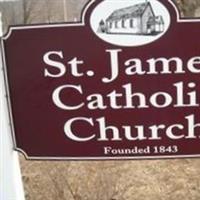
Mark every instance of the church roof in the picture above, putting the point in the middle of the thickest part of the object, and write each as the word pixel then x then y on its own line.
pixel 131 11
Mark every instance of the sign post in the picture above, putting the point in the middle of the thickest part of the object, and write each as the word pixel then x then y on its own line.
pixel 11 187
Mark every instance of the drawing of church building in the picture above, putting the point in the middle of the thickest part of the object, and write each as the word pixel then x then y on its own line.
pixel 137 19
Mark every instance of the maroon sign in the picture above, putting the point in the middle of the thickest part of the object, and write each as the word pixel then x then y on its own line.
pixel 121 84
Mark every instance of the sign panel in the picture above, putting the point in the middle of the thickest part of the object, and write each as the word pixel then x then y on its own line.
pixel 121 84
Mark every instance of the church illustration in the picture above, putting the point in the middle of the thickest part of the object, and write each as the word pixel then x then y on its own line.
pixel 138 19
